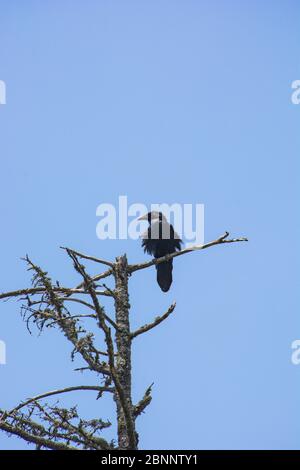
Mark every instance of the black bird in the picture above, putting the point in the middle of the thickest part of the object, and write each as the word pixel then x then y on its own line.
pixel 159 240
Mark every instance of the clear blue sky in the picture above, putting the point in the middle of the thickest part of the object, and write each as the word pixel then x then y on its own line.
pixel 162 101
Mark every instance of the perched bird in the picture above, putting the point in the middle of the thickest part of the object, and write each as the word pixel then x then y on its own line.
pixel 159 240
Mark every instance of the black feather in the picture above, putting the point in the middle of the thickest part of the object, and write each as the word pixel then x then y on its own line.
pixel 159 240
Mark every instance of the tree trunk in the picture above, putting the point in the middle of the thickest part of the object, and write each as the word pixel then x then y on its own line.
pixel 123 360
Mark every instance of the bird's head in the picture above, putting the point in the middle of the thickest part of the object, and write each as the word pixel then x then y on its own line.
pixel 152 216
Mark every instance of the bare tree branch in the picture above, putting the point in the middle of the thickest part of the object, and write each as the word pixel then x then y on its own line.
pixel 156 322
pixel 107 273
pixel 219 241
pixel 29 437
pixel 56 392
pixel 41 290
pixel 61 431
pixel 107 318
pixel 144 402
pixel 68 326
pixel 91 258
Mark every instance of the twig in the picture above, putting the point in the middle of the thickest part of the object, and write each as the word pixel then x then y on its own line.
pixel 71 317
pixel 156 322
pixel 107 318
pixel 91 258
pixel 144 402
pixel 107 273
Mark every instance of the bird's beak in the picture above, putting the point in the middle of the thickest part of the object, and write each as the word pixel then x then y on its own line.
pixel 143 217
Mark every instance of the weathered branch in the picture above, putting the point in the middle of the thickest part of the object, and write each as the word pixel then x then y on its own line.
pixel 91 258
pixel 68 326
pixel 219 241
pixel 98 277
pixel 107 318
pixel 29 437
pixel 41 290
pixel 156 322
pixel 61 431
pixel 56 392
pixel 143 403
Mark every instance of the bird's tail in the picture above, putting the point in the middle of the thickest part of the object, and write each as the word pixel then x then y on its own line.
pixel 164 275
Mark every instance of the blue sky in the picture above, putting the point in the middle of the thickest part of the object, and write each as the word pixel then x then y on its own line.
pixel 162 101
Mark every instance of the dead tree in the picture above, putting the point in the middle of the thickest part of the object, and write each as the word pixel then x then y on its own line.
pixel 47 304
